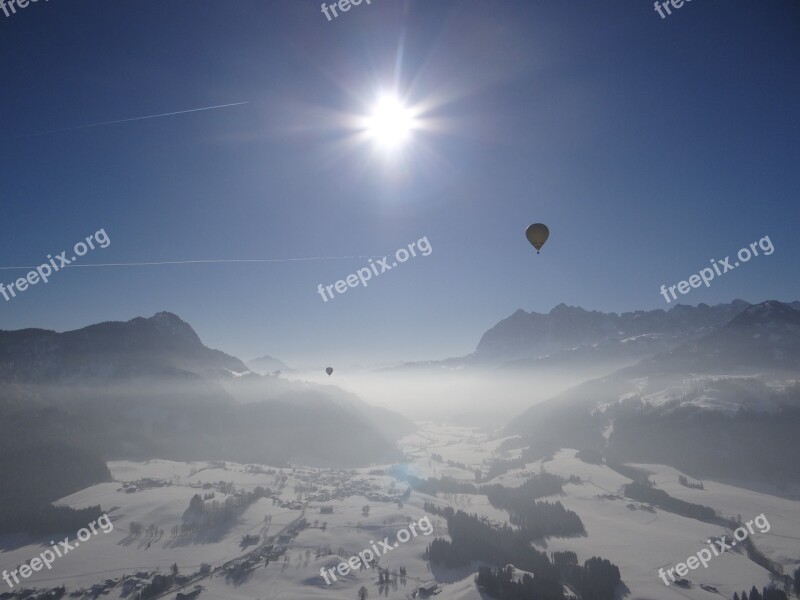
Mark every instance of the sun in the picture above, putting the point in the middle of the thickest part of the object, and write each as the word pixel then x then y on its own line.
pixel 390 123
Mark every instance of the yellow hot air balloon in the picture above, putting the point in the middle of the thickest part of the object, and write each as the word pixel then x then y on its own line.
pixel 537 235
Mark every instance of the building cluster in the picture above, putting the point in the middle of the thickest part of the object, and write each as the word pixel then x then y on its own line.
pixel 238 570
pixel 324 486
pixel 131 487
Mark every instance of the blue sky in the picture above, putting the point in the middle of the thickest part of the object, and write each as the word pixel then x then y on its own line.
pixel 648 146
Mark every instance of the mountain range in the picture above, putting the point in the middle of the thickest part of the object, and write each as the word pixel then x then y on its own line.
pixel 693 406
pixel 580 344
pixel 161 346
pixel 565 328
pixel 148 388
pixel 642 384
pixel 267 364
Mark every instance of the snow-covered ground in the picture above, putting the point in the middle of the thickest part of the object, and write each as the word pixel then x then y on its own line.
pixel 641 542
pixel 638 538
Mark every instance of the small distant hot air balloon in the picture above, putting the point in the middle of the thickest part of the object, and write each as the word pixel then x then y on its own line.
pixel 537 235
pixel 329 370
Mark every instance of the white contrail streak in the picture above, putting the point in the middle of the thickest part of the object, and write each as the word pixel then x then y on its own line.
pixel 169 114
pixel 194 262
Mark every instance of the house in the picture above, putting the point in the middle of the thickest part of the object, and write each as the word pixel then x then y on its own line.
pixel 429 588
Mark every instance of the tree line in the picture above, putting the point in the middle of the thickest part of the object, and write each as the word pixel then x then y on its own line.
pixel 35 476
pixel 767 593
pixel 473 538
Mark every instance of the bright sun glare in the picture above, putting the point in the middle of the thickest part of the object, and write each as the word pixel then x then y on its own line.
pixel 390 123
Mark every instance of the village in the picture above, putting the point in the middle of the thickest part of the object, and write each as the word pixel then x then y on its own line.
pixel 216 506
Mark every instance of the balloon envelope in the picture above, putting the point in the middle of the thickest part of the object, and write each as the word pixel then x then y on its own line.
pixel 537 235
pixel 329 370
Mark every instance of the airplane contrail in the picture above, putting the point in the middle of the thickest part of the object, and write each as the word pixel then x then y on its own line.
pixel 178 112
pixel 191 262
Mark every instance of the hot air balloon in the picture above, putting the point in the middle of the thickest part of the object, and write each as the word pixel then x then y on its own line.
pixel 537 235
pixel 329 370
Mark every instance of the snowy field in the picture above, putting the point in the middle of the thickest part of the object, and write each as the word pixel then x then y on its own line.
pixel 638 538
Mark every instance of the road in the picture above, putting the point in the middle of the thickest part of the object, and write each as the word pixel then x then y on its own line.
pixel 221 567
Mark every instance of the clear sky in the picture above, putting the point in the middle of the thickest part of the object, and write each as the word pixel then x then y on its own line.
pixel 647 145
